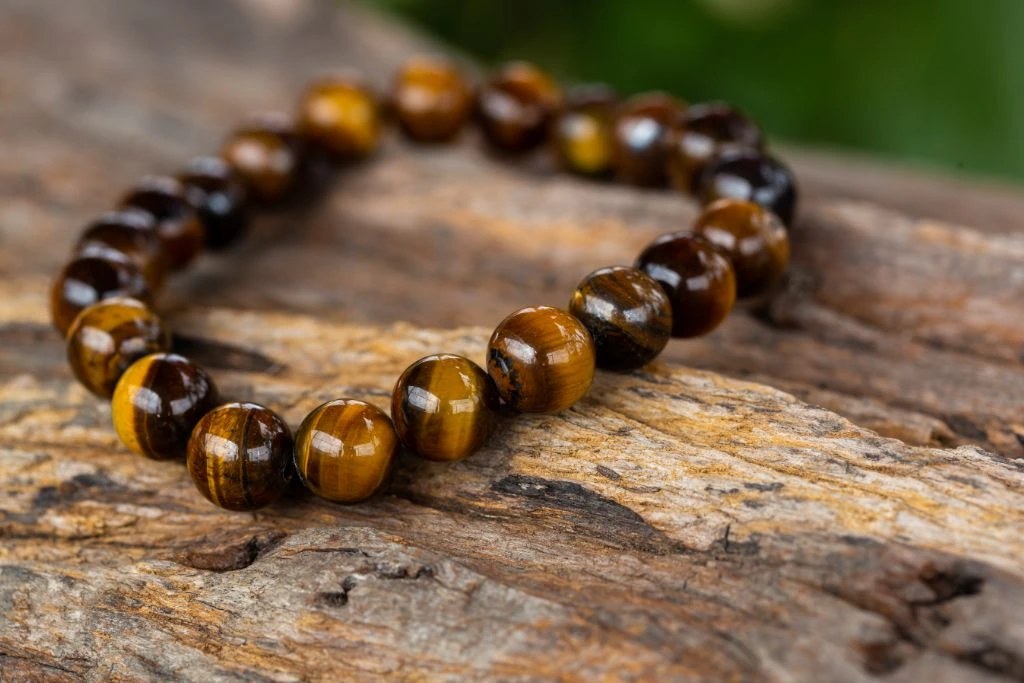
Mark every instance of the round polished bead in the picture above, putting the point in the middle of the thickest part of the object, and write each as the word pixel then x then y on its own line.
pixel 178 225
pixel 106 338
pixel 342 115
pixel 753 238
pixel 240 456
pixel 752 176
pixel 158 401
pixel 583 137
pixel 697 277
pixel 213 187
pixel 705 131
pixel 640 137
pixel 432 99
pixel 444 407
pixel 542 360
pixel 627 313
pixel 89 279
pixel 127 234
pixel 267 157
pixel 517 106
pixel 344 450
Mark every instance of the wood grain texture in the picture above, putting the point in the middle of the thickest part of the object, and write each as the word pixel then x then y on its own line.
pixel 684 522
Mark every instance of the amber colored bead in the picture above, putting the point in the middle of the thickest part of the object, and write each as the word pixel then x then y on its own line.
pixel 157 402
pixel 240 456
pixel 542 360
pixel 444 407
pixel 697 277
pixel 268 156
pixel 516 107
pixel 752 176
pixel 126 234
pixel 87 280
pixel 627 313
pixel 342 115
pixel 641 137
pixel 705 131
pixel 344 450
pixel 432 99
pixel 753 238
pixel 108 337
pixel 216 191
pixel 583 137
pixel 178 225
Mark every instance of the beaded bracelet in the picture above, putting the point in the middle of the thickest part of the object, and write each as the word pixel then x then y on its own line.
pixel 241 456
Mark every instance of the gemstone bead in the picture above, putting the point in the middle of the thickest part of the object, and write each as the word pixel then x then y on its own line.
pixel 216 191
pixel 267 156
pixel 517 106
pixel 641 129
pixel 444 407
pixel 583 137
pixel 752 176
pixel 705 131
pixel 344 450
pixel 627 313
pixel 432 99
pixel 342 115
pixel 178 225
pixel 240 456
pixel 127 234
pixel 753 238
pixel 86 280
pixel 542 360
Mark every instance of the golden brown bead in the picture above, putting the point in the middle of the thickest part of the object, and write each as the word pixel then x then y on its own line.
pixel 444 407
pixel 583 138
pixel 216 191
pixel 517 106
pixel 641 129
pixel 342 115
pixel 178 225
pixel 750 175
pixel 267 156
pixel 87 280
pixel 627 314
pixel 128 234
pixel 344 450
pixel 106 338
pixel 697 277
pixel 752 237
pixel 432 99
pixel 240 456
pixel 157 402
pixel 705 131
pixel 542 360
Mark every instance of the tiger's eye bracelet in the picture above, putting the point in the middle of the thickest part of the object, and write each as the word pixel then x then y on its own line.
pixel 242 456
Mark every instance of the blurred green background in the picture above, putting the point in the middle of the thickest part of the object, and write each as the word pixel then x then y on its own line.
pixel 935 82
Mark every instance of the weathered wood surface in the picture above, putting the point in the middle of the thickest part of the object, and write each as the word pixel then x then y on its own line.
pixel 681 523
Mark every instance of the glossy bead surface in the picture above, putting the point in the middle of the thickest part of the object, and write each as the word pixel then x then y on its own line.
pixel 444 407
pixel 344 450
pixel 219 195
pixel 240 456
pixel 753 238
pixel 432 99
pixel 106 338
pixel 128 234
pixel 583 137
pixel 542 360
pixel 627 314
pixel 516 107
pixel 87 280
pixel 342 115
pixel 267 157
pixel 697 277
pixel 178 225
pixel 158 401
pixel 752 176
pixel 641 130
pixel 704 132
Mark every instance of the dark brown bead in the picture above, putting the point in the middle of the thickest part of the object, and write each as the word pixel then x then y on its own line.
pixel 627 313
pixel 697 277
pixel 216 191
pixel 444 407
pixel 641 133
pixel 583 138
pixel 87 280
pixel 106 338
pixel 240 456
pixel 268 156
pixel 753 176
pixel 542 360
pixel 342 115
pixel 432 99
pixel 178 224
pixel 705 131
pixel 345 450
pixel 753 238
pixel 158 401
pixel 126 234
pixel 517 106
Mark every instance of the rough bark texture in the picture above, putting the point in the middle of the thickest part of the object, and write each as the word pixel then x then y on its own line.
pixel 681 523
